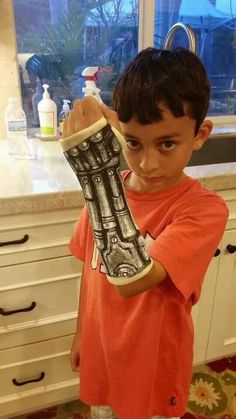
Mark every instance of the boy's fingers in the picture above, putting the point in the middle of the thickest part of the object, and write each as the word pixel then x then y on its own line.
pixel 74 361
pixel 91 109
pixel 108 113
pixel 85 112
pixel 111 117
pixel 77 105
pixel 89 104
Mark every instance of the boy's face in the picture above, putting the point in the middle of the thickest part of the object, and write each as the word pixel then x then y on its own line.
pixel 157 153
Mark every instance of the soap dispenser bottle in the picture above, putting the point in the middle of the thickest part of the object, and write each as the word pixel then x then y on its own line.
pixel 90 89
pixel 47 114
pixel 37 96
pixel 64 112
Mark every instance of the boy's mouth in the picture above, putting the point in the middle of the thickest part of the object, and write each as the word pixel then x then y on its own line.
pixel 149 179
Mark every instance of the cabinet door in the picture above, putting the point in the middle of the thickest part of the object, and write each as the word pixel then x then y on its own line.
pixel 36 375
pixel 222 339
pixel 202 311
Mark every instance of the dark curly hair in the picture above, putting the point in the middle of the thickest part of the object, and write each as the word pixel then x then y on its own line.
pixel 175 78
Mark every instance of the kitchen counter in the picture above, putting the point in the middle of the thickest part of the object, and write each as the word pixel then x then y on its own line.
pixel 221 130
pixel 49 183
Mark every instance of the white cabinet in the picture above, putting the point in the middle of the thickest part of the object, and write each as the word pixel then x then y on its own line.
pixel 222 338
pixel 202 312
pixel 39 291
pixel 39 294
pixel 214 316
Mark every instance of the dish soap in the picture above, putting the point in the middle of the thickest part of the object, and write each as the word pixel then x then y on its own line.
pixel 16 127
pixel 90 89
pixel 47 114
pixel 37 96
pixel 64 112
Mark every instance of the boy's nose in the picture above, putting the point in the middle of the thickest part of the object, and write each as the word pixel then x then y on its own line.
pixel 149 161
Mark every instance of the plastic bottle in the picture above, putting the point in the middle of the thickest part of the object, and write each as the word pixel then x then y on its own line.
pixel 37 96
pixel 90 89
pixel 16 127
pixel 65 110
pixel 47 115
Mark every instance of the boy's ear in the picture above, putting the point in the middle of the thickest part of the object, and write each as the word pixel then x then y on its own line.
pixel 203 134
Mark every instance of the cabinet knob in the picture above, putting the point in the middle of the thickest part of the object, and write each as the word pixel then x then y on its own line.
pixel 231 248
pixel 217 252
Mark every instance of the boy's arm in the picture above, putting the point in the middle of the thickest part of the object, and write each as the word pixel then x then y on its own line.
pixel 92 149
pixel 75 348
pixel 154 277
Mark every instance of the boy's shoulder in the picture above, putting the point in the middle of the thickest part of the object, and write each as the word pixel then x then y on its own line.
pixel 200 198
pixel 188 196
pixel 202 192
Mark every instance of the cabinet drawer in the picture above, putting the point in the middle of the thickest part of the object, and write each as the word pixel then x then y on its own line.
pixel 37 237
pixel 35 272
pixel 35 368
pixel 42 242
pixel 52 328
pixel 35 303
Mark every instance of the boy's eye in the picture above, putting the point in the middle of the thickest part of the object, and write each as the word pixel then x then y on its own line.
pixel 132 144
pixel 167 145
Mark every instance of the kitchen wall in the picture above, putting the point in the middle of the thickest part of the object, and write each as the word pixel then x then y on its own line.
pixel 9 80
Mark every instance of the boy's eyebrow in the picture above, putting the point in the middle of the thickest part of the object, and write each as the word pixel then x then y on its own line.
pixel 168 136
pixel 162 137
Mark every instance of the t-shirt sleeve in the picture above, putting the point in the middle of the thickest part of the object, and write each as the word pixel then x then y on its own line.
pixel 78 241
pixel 185 248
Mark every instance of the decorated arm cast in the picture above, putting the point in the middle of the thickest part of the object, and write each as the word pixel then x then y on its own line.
pixel 94 155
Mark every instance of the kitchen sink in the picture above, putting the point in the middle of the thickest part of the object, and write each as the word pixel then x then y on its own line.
pixel 215 150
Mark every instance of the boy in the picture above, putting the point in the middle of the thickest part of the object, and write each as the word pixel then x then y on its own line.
pixel 155 237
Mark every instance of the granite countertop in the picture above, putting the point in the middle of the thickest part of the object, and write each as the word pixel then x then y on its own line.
pixel 49 183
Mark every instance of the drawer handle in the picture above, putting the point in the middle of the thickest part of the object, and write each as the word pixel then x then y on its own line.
pixel 33 380
pixel 217 253
pixel 231 248
pixel 23 240
pixel 18 310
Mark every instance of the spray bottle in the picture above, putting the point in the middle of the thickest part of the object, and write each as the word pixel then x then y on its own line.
pixel 90 89
pixel 64 112
pixel 47 114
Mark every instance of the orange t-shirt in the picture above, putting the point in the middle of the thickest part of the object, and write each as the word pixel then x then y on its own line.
pixel 136 353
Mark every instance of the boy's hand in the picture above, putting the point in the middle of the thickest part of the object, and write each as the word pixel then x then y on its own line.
pixel 86 112
pixel 75 353
pixel 111 117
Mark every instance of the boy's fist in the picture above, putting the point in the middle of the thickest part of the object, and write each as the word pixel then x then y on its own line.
pixel 75 353
pixel 85 113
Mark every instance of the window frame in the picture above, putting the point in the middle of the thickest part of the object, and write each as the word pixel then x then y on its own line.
pixel 146 24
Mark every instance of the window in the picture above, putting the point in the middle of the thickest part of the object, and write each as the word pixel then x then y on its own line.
pixel 65 36
pixel 57 39
pixel 214 24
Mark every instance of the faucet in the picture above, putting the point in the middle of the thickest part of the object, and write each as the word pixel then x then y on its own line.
pixel 189 32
